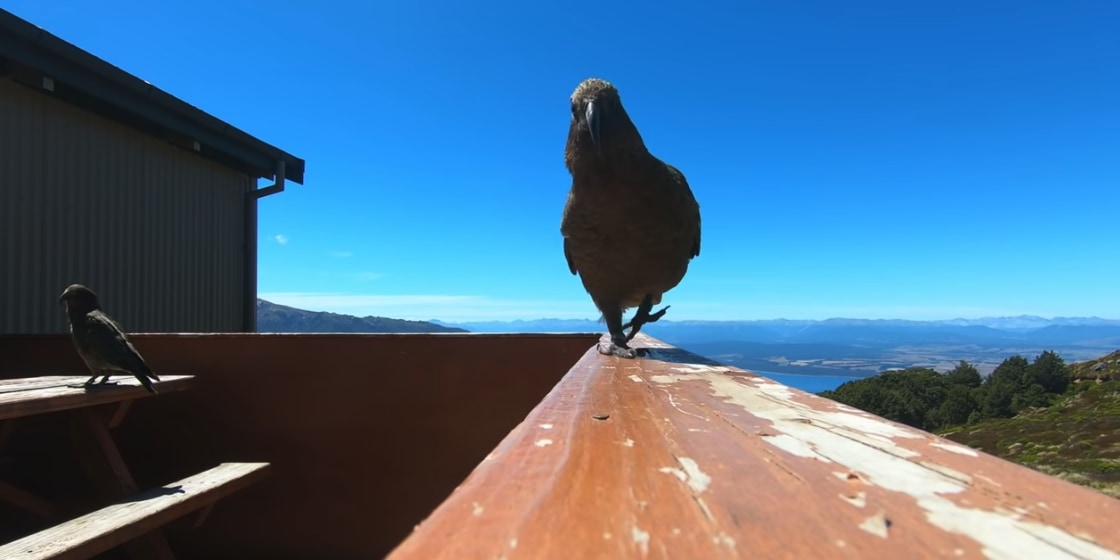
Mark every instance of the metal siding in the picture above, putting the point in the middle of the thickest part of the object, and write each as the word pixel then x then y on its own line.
pixel 156 231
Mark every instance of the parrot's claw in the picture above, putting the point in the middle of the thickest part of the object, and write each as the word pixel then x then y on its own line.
pixel 643 317
pixel 618 347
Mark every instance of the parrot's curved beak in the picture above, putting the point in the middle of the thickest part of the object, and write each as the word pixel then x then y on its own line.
pixel 592 116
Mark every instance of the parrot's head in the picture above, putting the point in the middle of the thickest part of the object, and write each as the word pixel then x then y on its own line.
pixel 79 299
pixel 600 122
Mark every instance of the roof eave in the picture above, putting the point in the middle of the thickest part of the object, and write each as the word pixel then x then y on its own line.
pixel 82 78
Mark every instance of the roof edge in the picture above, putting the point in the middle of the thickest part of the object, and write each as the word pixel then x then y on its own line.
pixel 78 77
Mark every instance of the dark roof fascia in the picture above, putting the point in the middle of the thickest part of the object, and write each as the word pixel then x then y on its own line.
pixel 80 77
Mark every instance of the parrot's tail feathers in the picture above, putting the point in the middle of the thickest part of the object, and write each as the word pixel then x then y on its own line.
pixel 147 383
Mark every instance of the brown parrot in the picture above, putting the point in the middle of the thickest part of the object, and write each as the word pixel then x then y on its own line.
pixel 100 341
pixel 631 224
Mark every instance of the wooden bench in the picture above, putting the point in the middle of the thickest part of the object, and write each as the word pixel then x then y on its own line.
pixel 140 515
pixel 31 396
pixel 676 456
pixel 106 528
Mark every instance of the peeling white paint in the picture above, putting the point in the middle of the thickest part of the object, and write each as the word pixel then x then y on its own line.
pixel 542 442
pixel 724 539
pixel 648 342
pixel 876 525
pixel 700 368
pixel 476 509
pixel 951 473
pixel 794 446
pixel 606 536
pixel 1082 535
pixel 628 442
pixel 674 404
pixel 635 378
pixel 1022 539
pixel 695 478
pixel 954 448
pixel 546 426
pixel 641 538
pixel 859 500
pixel 676 531
pixel 513 543
pixel 865 445
pixel 778 397
pixel 845 408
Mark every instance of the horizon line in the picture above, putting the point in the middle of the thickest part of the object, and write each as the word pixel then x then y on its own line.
pixel 460 309
pixel 838 318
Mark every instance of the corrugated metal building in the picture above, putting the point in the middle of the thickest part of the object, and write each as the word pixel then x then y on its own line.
pixel 107 181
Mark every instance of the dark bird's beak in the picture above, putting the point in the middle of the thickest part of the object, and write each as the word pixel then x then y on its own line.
pixel 592 118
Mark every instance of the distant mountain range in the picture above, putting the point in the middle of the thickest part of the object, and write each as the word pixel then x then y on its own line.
pixel 273 317
pixel 860 347
pixel 1089 331
pixel 832 347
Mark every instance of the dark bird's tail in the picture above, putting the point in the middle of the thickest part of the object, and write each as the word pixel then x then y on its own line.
pixel 147 383
pixel 146 376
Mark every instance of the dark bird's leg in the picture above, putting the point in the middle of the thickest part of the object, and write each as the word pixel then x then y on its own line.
pixel 643 316
pixel 618 345
pixel 104 375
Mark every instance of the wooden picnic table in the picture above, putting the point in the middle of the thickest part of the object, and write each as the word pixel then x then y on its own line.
pixel 53 393
pixel 91 439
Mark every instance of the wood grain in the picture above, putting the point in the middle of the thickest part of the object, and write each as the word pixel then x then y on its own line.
pixel 674 456
pixel 51 393
pixel 111 526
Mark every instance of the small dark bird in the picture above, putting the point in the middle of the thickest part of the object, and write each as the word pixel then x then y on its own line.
pixel 631 224
pixel 100 341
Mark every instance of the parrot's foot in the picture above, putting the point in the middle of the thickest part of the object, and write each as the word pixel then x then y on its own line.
pixel 100 384
pixel 642 316
pixel 96 386
pixel 618 347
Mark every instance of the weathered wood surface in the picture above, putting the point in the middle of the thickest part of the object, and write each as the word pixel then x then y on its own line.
pixel 52 393
pixel 111 477
pixel 674 456
pixel 101 530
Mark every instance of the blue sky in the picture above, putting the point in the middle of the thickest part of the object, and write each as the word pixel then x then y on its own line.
pixel 876 159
